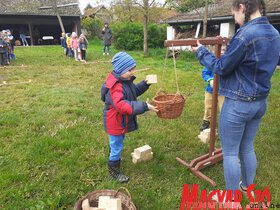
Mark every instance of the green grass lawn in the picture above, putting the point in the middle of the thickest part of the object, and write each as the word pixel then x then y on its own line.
pixel 54 149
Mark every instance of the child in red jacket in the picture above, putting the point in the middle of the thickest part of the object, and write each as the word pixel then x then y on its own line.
pixel 121 108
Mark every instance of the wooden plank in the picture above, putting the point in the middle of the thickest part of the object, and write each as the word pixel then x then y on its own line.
pixel 193 42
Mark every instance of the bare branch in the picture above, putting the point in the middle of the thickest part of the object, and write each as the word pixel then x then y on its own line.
pixel 152 3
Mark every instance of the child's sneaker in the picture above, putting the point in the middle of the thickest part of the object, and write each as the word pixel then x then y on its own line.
pixel 205 124
pixel 103 53
pixel 107 53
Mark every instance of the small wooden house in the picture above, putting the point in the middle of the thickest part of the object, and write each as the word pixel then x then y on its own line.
pixel 39 18
pixel 219 17
pixel 100 12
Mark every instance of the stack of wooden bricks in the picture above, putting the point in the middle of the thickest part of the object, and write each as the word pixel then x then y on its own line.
pixel 143 153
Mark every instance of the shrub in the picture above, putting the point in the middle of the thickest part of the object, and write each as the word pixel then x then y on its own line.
pixel 156 35
pixel 129 36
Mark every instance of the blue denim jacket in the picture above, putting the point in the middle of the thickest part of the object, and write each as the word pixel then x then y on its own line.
pixel 248 63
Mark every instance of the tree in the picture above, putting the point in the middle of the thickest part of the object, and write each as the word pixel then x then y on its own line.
pixel 145 6
pixel 185 5
pixel 205 19
pixel 189 5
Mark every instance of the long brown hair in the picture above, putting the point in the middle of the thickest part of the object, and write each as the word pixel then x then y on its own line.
pixel 251 7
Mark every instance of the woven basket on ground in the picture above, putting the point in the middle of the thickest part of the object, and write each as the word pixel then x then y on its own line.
pixel 170 105
pixel 93 198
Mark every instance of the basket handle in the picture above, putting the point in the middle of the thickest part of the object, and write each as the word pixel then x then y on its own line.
pixel 160 92
pixel 127 192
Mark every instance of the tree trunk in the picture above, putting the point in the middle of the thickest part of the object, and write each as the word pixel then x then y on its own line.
pixel 145 25
pixel 205 20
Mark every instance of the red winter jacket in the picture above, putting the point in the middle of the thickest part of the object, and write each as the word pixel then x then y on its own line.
pixel 121 105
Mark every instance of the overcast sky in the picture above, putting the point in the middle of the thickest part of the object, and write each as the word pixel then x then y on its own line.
pixel 84 3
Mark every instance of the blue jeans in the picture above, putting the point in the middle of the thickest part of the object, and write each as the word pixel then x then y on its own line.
pixel 108 48
pixel 23 40
pixel 116 147
pixel 238 124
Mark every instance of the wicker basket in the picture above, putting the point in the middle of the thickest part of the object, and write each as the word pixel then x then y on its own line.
pixel 93 197
pixel 170 105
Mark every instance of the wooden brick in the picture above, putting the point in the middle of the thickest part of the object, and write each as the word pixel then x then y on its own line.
pixel 137 159
pixel 114 204
pixel 102 201
pixel 141 151
pixel 151 79
pixel 85 205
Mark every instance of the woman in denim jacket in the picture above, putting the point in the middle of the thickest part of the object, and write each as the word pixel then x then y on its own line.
pixel 245 72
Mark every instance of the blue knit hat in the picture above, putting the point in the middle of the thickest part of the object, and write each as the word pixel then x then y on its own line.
pixel 122 62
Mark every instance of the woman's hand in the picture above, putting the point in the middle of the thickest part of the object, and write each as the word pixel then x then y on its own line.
pixel 194 48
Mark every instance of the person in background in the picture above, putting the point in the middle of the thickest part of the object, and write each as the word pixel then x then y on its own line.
pixel 208 76
pixel 22 35
pixel 63 43
pixel 3 50
pixel 75 45
pixel 8 50
pixel 68 43
pixel 245 72
pixel 83 43
pixel 107 36
pixel 119 94
pixel 12 44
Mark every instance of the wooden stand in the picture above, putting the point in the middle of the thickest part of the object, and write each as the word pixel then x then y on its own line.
pixel 214 155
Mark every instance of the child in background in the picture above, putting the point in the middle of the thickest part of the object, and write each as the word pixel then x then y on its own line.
pixel 3 50
pixel 121 108
pixel 63 43
pixel 83 47
pixel 208 76
pixel 12 44
pixel 8 49
pixel 68 43
pixel 75 44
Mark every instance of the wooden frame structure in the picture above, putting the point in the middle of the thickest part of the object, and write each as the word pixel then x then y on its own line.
pixel 214 155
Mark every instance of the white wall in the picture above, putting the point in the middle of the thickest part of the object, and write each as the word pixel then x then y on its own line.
pixel 227 29
pixel 171 36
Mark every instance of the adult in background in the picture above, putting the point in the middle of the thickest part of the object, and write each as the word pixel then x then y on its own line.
pixel 107 36
pixel 22 36
pixel 245 72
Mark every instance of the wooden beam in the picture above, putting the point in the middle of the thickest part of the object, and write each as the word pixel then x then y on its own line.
pixel 192 42
pixel 58 6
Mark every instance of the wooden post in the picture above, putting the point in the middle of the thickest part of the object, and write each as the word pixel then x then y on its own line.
pixel 30 33
pixel 214 104
pixel 55 7
pixel 60 23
